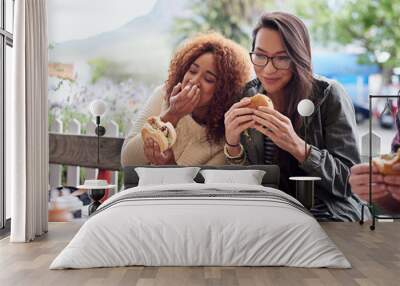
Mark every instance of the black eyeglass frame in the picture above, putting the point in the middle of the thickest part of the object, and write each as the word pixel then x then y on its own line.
pixel 268 60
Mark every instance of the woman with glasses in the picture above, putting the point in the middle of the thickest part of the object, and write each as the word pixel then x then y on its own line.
pixel 281 56
pixel 205 75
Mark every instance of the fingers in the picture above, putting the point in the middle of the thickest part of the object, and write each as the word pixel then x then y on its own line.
pixel 242 103
pixel 362 169
pixel 152 151
pixel 393 185
pixel 188 102
pixel 393 180
pixel 266 132
pixel 365 198
pixel 177 88
pixel 242 127
pixel 187 95
pixel 270 120
pixel 236 113
pixel 238 121
pixel 396 167
pixel 195 97
pixel 156 149
pixel 378 191
pixel 182 99
pixel 148 149
pixel 234 126
pixel 395 192
pixel 167 156
pixel 184 91
pixel 375 195
pixel 363 179
pixel 363 189
pixel 267 124
pixel 233 132
pixel 238 109
pixel 274 113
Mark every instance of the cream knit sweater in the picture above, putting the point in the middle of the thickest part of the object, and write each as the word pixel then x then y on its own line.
pixel 190 148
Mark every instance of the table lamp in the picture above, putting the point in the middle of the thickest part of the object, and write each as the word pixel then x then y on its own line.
pixel 305 185
pixel 305 108
pixel 98 108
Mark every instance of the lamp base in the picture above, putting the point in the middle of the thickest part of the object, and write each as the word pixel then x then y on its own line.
pixel 305 190
pixel 95 195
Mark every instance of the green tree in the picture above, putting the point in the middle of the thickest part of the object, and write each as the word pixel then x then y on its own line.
pixel 232 18
pixel 102 67
pixel 373 25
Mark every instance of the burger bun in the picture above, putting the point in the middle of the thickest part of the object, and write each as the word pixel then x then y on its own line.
pixel 260 100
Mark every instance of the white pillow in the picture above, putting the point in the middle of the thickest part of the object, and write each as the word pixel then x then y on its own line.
pixel 248 177
pixel 163 176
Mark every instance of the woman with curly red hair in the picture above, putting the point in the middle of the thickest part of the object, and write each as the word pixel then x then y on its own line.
pixel 205 75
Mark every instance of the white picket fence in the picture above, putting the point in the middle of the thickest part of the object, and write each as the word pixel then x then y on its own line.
pixel 73 173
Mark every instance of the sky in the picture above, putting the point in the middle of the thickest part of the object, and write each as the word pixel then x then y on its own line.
pixel 79 19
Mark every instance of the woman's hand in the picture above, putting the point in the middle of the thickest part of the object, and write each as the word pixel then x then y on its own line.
pixel 359 182
pixel 183 101
pixel 280 130
pixel 155 157
pixel 237 119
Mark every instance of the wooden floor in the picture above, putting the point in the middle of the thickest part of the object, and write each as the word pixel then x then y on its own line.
pixel 374 255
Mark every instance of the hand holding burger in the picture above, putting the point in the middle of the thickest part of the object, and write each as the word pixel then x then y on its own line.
pixel 278 128
pixel 158 138
pixel 385 178
pixel 240 117
pixel 163 133
pixel 389 166
pixel 386 164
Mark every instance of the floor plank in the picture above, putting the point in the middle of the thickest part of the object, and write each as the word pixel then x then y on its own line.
pixel 374 255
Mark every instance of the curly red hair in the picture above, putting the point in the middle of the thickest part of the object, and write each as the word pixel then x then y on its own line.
pixel 233 68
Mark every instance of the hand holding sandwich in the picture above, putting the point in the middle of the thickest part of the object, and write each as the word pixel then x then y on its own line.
pixel 237 119
pixel 389 166
pixel 276 126
pixel 182 101
pixel 385 178
pixel 158 138
pixel 280 130
pixel 155 156
pixel 240 116
pixel 359 181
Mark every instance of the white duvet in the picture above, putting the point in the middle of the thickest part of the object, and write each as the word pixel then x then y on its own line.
pixel 183 231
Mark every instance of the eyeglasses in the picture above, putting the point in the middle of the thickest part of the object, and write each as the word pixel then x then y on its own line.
pixel 279 62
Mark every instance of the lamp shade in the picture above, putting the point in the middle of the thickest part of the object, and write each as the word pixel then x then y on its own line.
pixel 98 107
pixel 305 107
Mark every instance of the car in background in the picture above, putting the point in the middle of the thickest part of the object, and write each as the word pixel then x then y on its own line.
pixel 346 69
pixel 385 111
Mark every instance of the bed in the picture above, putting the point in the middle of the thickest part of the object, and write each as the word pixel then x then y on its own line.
pixel 201 224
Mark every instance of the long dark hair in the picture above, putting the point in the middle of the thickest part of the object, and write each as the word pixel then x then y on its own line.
pixel 296 42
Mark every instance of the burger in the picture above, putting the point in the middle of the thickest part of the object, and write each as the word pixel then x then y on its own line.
pixel 161 132
pixel 384 163
pixel 260 100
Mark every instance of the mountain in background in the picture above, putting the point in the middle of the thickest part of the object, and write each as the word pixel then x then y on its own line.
pixel 141 48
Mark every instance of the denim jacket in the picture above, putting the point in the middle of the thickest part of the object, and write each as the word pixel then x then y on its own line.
pixel 332 135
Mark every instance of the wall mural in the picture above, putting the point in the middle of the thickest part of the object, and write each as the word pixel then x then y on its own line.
pixel 121 57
